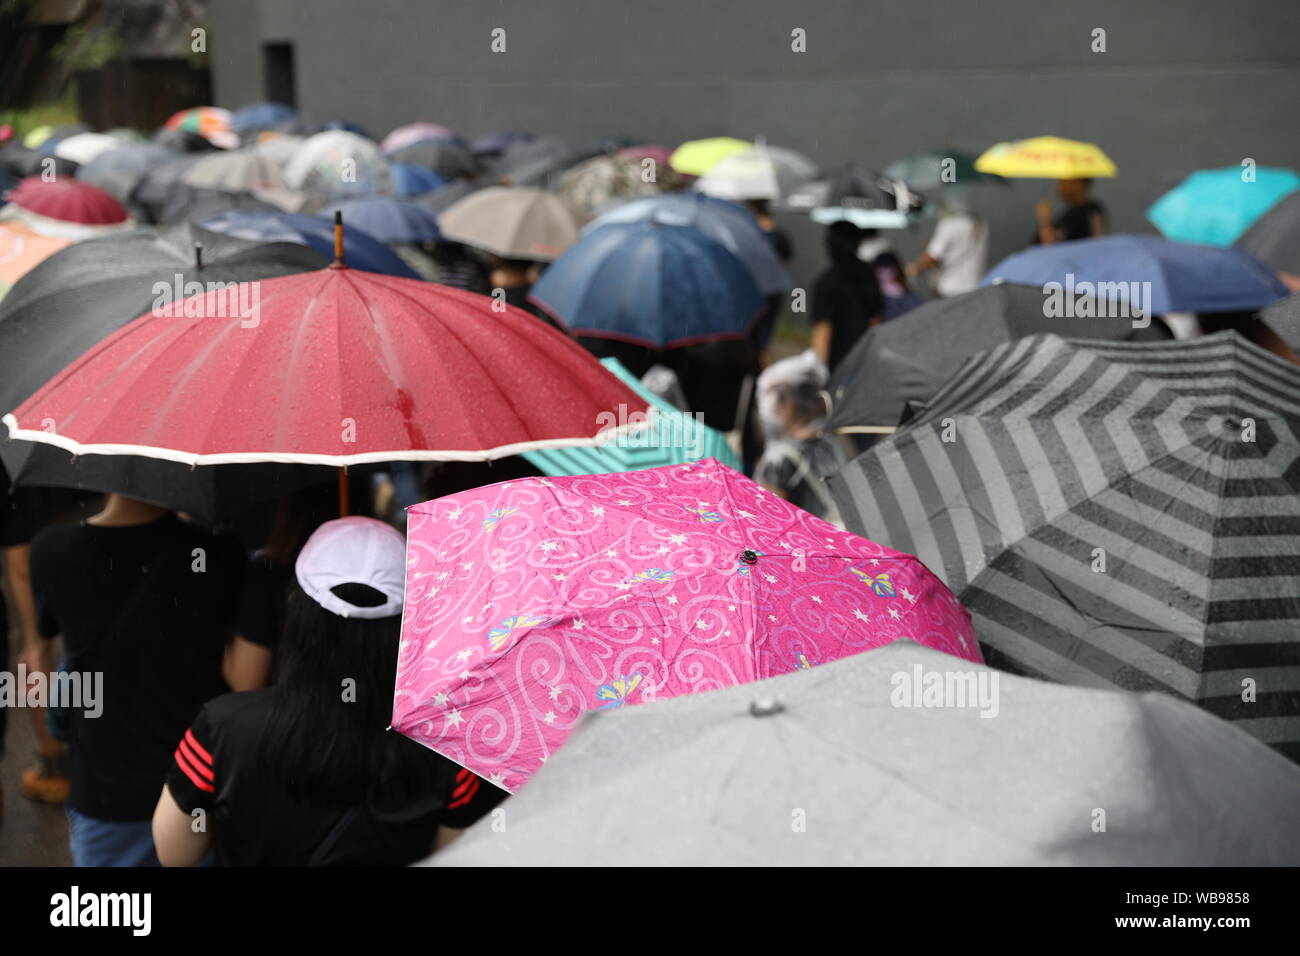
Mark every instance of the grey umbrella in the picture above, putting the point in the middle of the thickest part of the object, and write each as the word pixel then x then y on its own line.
pixel 910 358
pixel 1284 318
pixel 829 767
pixel 448 160
pixel 1274 238
pixel 119 171
pixel 1112 514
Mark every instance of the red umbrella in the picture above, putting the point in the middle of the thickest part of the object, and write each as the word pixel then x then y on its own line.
pixel 68 200
pixel 337 366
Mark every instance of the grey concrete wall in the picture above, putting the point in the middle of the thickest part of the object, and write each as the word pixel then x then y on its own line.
pixel 1183 84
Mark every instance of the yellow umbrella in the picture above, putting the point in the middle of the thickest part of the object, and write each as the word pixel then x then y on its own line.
pixel 35 137
pixel 1046 157
pixel 697 157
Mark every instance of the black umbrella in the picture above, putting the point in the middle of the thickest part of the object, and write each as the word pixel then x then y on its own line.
pixel 119 171
pixel 157 185
pixel 186 203
pixel 1113 515
pixel 1274 238
pixel 183 141
pixel 84 293
pixel 448 160
pixel 910 358
pixel 19 161
pixel 867 198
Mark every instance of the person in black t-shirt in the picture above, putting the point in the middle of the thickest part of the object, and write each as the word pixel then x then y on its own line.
pixel 1083 217
pixel 145 600
pixel 250 656
pixel 846 298
pixel 305 773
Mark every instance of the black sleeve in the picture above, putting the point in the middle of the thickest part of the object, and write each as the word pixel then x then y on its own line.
pixel 192 775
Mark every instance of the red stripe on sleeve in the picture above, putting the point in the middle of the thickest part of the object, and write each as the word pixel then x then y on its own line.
pixel 194 778
pixel 198 748
pixel 204 772
pixel 462 800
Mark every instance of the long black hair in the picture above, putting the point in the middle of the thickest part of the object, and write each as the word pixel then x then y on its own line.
pixel 325 741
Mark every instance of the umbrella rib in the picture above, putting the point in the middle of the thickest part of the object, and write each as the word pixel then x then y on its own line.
pixel 471 420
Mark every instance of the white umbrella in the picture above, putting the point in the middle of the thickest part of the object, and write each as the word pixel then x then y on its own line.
pixel 764 172
pixel 337 164
pixel 81 148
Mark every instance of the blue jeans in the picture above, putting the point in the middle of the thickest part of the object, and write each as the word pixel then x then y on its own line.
pixel 110 842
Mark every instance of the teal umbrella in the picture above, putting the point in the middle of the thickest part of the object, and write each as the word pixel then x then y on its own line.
pixel 673 437
pixel 1214 207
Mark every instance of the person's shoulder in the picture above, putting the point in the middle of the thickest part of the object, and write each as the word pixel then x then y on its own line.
pixel 59 538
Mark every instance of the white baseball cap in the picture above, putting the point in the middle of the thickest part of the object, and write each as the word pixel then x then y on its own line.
pixel 354 550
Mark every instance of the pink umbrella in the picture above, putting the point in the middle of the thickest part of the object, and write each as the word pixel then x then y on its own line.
pixel 660 154
pixel 530 602
pixel 411 133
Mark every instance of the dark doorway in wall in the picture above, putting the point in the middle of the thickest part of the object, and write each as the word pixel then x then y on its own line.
pixel 277 71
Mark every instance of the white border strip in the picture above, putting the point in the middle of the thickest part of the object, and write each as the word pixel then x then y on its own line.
pixel 233 458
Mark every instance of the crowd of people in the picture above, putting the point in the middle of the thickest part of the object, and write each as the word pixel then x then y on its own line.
pixel 248 668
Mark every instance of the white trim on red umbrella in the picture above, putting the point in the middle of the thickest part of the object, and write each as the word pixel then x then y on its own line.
pixel 232 458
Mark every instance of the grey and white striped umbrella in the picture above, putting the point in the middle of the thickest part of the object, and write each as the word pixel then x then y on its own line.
pixel 1113 515
pixel 870 761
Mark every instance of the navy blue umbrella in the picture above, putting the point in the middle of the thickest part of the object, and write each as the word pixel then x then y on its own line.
pixel 651 284
pixel 729 223
pixel 362 250
pixel 256 117
pixel 387 218
pixel 494 144
pixel 1147 273
pixel 412 180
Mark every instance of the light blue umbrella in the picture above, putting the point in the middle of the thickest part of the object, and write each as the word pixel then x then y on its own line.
pixel 674 437
pixel 263 116
pixel 727 222
pixel 1146 273
pixel 412 180
pixel 650 284
pixel 1215 206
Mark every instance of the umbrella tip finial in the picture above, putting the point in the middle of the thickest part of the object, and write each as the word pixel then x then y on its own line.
pixel 338 262
pixel 198 255
pixel 766 707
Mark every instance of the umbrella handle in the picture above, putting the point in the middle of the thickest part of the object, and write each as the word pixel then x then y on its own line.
pixel 338 262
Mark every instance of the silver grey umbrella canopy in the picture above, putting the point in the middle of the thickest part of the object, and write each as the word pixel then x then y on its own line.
pixel 1113 515
pixel 821 767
